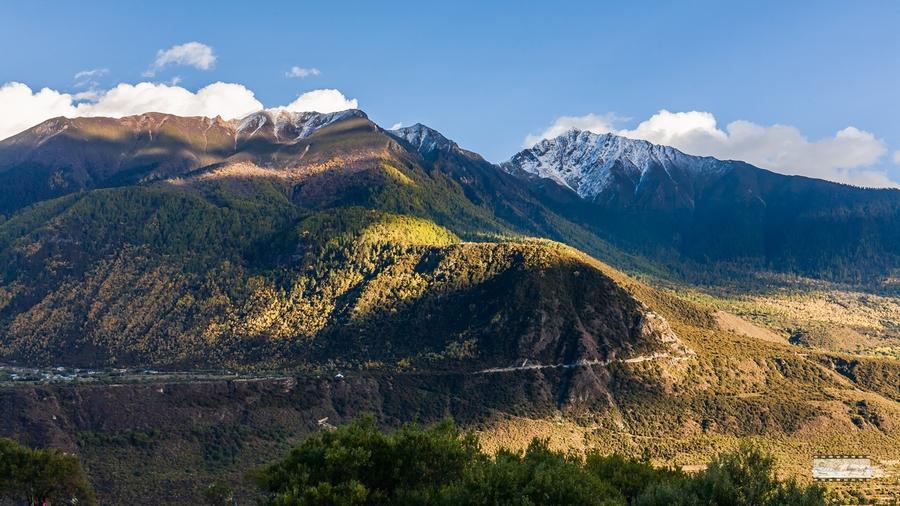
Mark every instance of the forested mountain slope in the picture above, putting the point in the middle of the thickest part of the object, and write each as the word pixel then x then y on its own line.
pixel 340 245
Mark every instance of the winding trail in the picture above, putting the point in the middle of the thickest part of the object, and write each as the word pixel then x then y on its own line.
pixel 584 363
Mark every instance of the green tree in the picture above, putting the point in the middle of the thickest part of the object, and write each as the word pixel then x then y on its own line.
pixel 538 476
pixel 629 476
pixel 219 494
pixel 745 477
pixel 34 476
pixel 358 464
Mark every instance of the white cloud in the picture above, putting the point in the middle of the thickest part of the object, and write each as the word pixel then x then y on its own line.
pixel 590 122
pixel 217 99
pixel 90 95
pixel 86 78
pixel 192 54
pixel 302 72
pixel 396 126
pixel 23 108
pixel 670 128
pixel 89 79
pixel 327 100
pixel 897 156
pixel 847 157
pixel 90 73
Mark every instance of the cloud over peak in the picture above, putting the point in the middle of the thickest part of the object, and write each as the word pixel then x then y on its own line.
pixel 327 100
pixel 24 108
pixel 589 122
pixel 228 100
pixel 191 54
pixel 849 156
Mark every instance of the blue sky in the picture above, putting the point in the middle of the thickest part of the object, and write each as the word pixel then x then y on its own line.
pixel 490 74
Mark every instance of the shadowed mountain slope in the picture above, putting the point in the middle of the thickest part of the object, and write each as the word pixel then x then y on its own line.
pixel 658 201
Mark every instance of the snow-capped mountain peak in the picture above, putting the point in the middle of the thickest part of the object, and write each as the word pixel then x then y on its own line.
pixel 594 165
pixel 426 140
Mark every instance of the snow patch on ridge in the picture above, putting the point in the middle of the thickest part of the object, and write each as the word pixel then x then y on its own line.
pixel 289 126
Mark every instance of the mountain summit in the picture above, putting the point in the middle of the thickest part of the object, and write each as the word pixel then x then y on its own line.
pixel 281 125
pixel 609 169
pixel 66 155
pixel 659 201
pixel 426 140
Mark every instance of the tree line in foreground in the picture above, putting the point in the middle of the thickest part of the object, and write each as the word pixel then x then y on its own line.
pixel 358 464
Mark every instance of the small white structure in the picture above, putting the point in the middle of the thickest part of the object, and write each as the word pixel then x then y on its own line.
pixel 844 467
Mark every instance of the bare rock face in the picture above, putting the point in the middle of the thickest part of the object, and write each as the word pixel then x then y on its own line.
pixel 654 326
